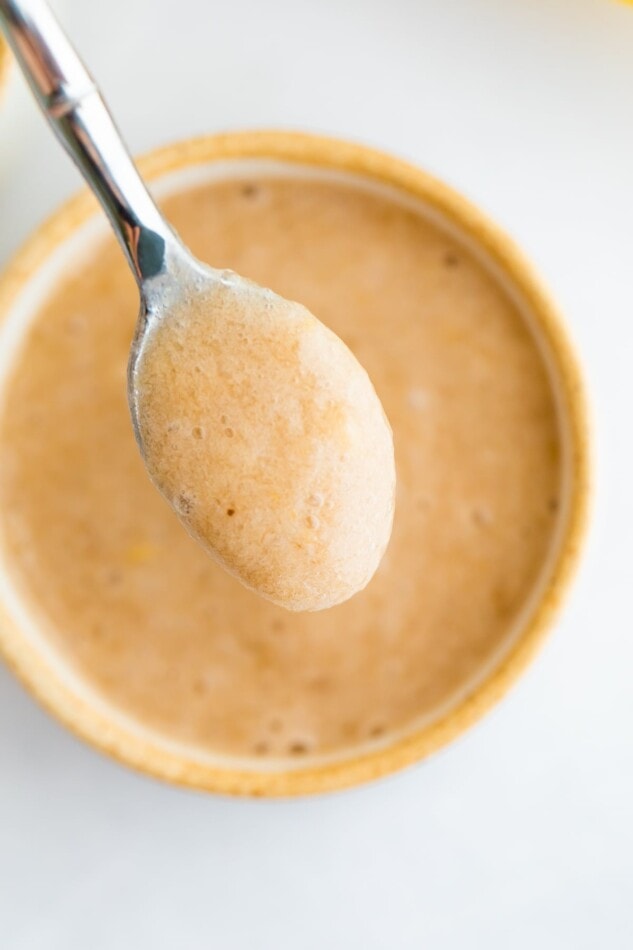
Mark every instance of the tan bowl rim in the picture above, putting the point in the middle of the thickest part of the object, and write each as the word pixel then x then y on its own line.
pixel 361 766
pixel 5 62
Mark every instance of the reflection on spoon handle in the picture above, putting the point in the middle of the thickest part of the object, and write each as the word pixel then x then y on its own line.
pixel 75 109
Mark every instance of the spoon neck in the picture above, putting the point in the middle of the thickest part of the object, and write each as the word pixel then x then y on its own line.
pixel 69 98
pixel 93 141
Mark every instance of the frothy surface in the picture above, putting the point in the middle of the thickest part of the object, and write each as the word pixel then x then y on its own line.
pixel 266 436
pixel 166 635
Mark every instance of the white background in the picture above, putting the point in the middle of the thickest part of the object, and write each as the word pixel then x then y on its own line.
pixel 520 835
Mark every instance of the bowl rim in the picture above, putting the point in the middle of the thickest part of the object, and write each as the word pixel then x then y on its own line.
pixel 364 765
pixel 5 67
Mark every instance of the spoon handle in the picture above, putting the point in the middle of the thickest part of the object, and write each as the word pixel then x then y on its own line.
pixel 75 109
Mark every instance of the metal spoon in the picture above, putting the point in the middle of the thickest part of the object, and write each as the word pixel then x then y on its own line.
pixel 274 544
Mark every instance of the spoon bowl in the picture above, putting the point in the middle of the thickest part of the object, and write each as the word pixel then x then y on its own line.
pixel 264 434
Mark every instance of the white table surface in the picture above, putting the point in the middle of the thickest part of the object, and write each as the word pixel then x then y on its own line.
pixel 521 834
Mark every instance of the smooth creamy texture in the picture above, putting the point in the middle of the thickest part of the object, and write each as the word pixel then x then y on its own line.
pixel 139 609
pixel 266 436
